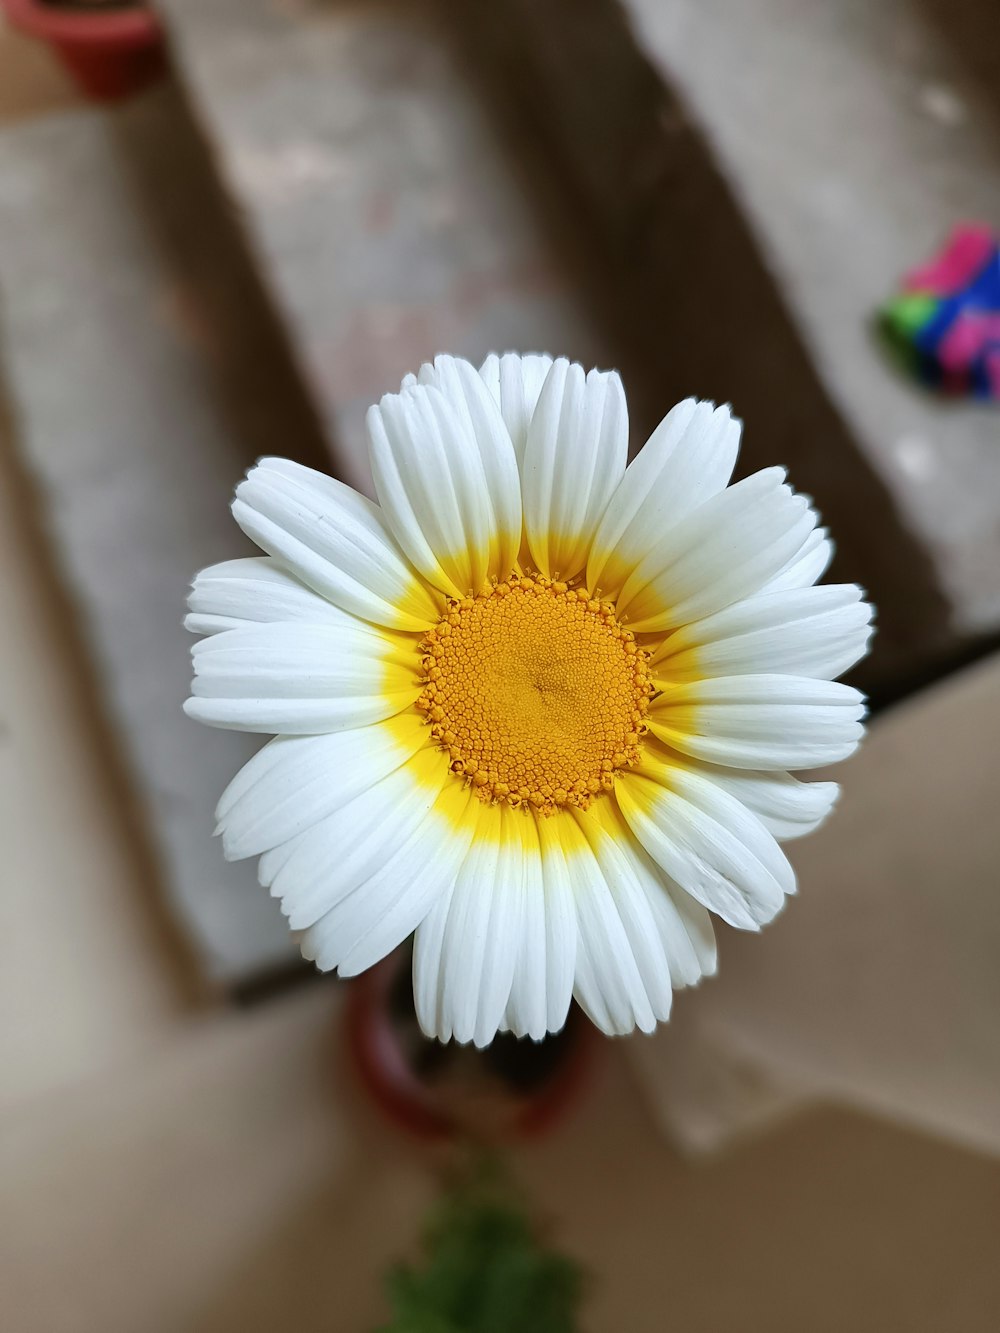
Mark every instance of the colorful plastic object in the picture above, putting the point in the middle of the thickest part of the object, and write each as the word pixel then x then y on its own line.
pixel 945 320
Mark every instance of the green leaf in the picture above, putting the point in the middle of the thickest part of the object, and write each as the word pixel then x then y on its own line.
pixel 484 1270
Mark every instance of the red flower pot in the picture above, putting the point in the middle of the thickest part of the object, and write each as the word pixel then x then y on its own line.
pixel 513 1089
pixel 111 51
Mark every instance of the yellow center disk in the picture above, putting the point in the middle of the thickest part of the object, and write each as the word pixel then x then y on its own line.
pixel 536 692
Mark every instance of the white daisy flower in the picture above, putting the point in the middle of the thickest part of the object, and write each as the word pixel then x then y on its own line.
pixel 535 705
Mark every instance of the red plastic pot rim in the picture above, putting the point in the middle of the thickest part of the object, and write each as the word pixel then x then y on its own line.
pixel 131 27
pixel 401 1095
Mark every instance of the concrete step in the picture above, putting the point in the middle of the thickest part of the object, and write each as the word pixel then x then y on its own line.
pixel 756 176
pixel 855 138
pixel 88 979
pixel 365 211
pixel 384 221
pixel 116 412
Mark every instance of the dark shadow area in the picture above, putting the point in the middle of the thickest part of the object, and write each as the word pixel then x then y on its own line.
pixel 183 200
pixel 629 195
pixel 972 29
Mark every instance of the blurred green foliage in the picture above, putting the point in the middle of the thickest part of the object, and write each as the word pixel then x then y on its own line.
pixel 484 1269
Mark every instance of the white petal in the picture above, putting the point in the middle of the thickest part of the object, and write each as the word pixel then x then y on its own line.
pixel 785 806
pixel 685 928
pixel 515 382
pixel 428 948
pixel 646 981
pixel 256 589
pixel 803 632
pixel 727 549
pixel 809 563
pixel 306 778
pixel 764 721
pixel 516 968
pixel 316 869
pixel 560 922
pixel 467 931
pixel 687 459
pixel 476 956
pixel 609 983
pixel 336 541
pixel 301 679
pixel 273 862
pixel 505 930
pixel 527 1009
pixel 683 925
pixel 573 460
pixel 379 914
pixel 246 777
pixel 446 476
pixel 710 844
pixel 482 421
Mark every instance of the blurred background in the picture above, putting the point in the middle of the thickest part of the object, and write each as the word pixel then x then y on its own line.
pixel 228 226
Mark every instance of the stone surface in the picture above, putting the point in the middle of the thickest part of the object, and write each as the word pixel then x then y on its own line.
pixel 854 139
pixel 384 227
pixel 384 222
pixel 755 176
pixel 87 979
pixel 114 410
pixel 878 985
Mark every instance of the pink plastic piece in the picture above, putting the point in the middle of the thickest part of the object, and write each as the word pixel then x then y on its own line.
pixel 962 345
pixel 968 249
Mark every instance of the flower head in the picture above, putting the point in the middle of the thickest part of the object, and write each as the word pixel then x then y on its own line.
pixel 535 705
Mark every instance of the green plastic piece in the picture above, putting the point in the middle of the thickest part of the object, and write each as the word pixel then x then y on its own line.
pixel 906 315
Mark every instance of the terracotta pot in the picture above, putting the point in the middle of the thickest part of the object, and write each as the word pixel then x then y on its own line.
pixel 513 1089
pixel 111 50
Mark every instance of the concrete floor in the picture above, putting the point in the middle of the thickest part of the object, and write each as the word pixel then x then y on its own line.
pixel 169 1164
